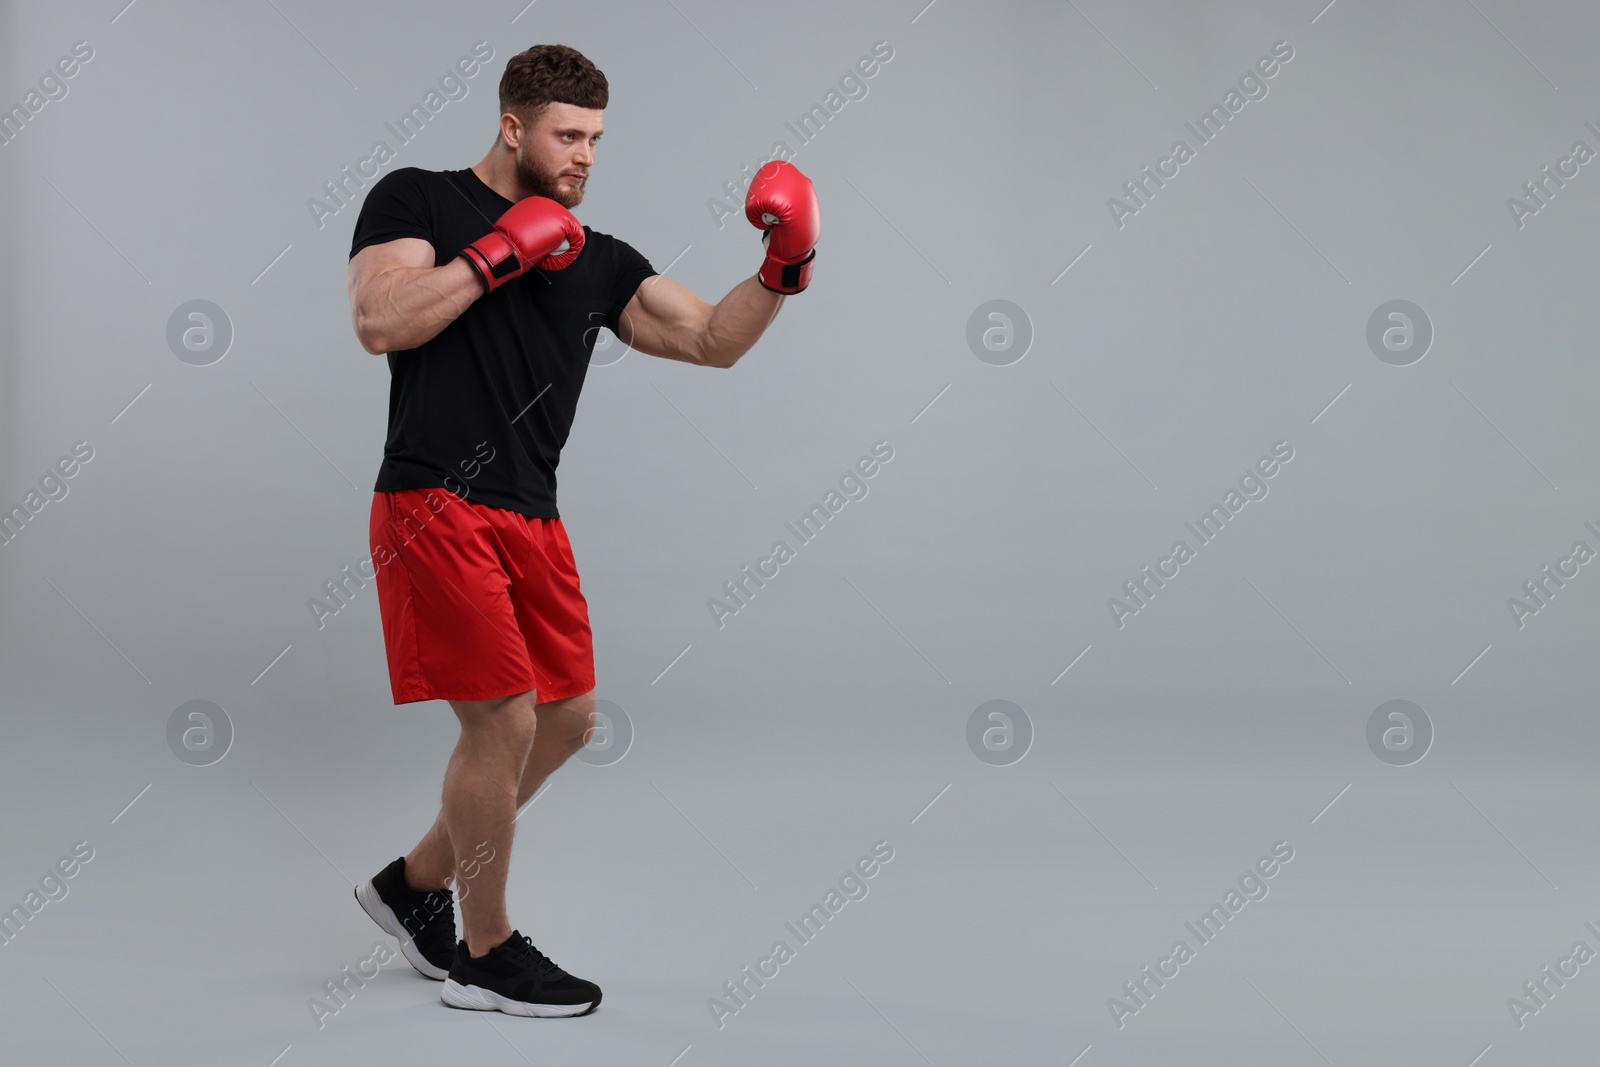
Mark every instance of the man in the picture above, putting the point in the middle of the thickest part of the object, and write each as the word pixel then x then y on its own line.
pixel 486 294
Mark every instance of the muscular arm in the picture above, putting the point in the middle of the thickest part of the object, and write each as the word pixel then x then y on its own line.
pixel 668 320
pixel 399 299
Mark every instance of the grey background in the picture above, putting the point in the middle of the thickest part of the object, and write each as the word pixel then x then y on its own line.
pixel 831 713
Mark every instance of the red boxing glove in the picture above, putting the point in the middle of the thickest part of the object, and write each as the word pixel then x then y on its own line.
pixel 526 236
pixel 783 202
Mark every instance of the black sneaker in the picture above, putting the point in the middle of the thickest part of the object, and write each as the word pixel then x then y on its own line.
pixel 518 979
pixel 425 922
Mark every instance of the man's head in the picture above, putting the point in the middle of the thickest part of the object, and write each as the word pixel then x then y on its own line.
pixel 552 103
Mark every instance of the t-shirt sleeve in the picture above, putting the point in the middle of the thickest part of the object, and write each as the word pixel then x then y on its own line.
pixel 397 206
pixel 632 269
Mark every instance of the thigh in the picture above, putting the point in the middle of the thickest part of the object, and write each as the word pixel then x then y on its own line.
pixel 553 614
pixel 444 586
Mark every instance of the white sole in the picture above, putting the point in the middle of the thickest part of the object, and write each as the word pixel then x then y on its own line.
pixel 384 916
pixel 476 998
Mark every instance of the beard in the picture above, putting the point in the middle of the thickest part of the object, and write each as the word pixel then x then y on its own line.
pixel 548 183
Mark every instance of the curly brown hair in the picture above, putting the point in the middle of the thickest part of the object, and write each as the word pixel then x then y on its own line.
pixel 550 73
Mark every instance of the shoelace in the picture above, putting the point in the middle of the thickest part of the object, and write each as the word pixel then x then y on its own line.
pixel 442 905
pixel 524 952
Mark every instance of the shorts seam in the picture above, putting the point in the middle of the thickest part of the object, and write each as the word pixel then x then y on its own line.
pixel 411 600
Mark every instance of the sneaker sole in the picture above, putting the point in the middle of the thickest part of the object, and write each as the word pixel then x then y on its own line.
pixel 476 998
pixel 390 923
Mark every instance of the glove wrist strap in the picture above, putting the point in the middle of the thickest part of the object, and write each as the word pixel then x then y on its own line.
pixel 787 278
pixel 494 258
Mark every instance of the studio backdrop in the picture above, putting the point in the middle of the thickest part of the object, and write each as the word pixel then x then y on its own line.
pixel 1159 546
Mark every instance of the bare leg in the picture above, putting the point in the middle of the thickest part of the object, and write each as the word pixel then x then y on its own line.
pixel 480 806
pixel 562 727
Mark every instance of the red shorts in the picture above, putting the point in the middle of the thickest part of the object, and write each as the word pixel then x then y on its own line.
pixel 477 602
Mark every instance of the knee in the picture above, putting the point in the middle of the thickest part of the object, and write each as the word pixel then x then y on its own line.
pixel 506 723
pixel 569 721
pixel 582 720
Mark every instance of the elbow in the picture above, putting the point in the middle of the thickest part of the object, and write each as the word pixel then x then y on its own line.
pixel 722 359
pixel 367 334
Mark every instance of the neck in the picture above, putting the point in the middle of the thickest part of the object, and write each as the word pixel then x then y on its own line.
pixel 498 170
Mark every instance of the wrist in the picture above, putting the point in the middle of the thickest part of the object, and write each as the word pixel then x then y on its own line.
pixel 787 278
pixel 471 261
pixel 494 259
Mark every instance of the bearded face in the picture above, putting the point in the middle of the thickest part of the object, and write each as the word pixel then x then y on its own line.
pixel 553 160
pixel 543 180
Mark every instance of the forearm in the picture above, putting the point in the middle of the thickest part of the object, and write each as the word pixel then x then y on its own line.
pixel 408 306
pixel 737 322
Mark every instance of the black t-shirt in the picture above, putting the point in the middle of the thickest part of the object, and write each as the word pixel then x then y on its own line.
pixel 484 408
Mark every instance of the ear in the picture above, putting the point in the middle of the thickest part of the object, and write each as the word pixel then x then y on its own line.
pixel 511 129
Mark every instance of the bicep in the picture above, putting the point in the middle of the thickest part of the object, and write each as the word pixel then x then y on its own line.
pixel 665 319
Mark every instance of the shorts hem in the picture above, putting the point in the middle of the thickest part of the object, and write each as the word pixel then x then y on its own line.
pixel 563 694
pixel 413 696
